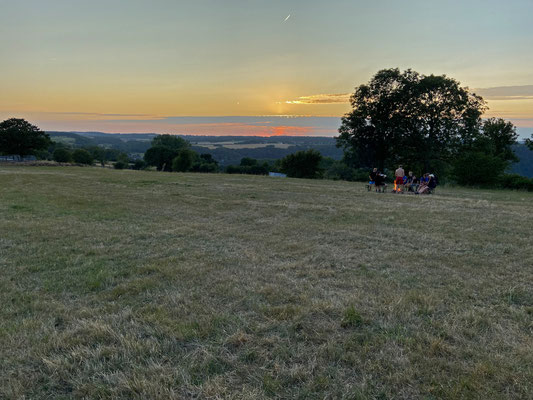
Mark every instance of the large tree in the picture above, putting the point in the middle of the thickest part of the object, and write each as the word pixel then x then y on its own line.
pixel 164 149
pixel 408 117
pixel 170 141
pixel 19 137
pixel 302 164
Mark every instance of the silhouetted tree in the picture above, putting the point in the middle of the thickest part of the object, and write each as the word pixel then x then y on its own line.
pixel 170 141
pixel 163 151
pixel 62 155
pixel 408 117
pixel 484 159
pixel 248 162
pixel 497 137
pixel 82 156
pixel 161 157
pixel 529 143
pixel 302 164
pixel 19 137
pixel 184 161
pixel 97 153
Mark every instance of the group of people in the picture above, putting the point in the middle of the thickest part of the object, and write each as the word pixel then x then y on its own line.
pixel 402 182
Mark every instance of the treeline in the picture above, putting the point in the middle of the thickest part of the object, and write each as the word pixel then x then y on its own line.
pixel 173 153
pixel 125 143
pixel 227 156
pixel 136 144
pixel 90 155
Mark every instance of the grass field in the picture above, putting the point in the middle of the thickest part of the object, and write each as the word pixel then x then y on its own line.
pixel 125 284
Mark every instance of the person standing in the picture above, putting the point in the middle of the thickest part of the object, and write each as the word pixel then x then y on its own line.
pixel 372 177
pixel 398 183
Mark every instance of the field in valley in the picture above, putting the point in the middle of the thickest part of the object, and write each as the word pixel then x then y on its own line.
pixel 132 284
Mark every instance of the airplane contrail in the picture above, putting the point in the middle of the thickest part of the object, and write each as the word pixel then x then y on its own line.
pixel 288 16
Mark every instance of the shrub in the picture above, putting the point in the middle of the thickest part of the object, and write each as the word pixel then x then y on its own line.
pixel 517 182
pixel 341 171
pixel 248 169
pixel 82 156
pixel 120 165
pixel 62 155
pixel 248 162
pixel 205 167
pixel 139 164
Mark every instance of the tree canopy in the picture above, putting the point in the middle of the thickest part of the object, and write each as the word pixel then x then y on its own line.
pixel 405 116
pixel 163 151
pixel 170 141
pixel 19 137
pixel 302 164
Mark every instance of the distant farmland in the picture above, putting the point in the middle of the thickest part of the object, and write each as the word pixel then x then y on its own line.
pixel 125 284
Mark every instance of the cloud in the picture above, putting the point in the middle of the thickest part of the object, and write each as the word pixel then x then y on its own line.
pixel 336 98
pixel 523 92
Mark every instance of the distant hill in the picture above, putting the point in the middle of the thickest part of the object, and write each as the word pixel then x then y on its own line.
pixel 249 146
pixel 525 165
pixel 128 143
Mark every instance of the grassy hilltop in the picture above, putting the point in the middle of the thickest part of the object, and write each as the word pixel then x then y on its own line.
pixel 124 284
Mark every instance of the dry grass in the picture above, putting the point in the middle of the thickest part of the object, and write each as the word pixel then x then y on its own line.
pixel 124 284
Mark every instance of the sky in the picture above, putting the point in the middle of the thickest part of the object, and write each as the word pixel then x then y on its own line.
pixel 248 67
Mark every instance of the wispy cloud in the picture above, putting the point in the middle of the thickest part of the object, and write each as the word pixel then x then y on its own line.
pixel 523 92
pixel 335 98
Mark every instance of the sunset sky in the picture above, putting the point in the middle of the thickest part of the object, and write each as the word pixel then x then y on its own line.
pixel 258 67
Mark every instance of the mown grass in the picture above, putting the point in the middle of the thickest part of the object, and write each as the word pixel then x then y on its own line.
pixel 124 284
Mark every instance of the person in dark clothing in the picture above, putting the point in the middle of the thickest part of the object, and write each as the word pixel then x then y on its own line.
pixel 372 178
pixel 380 182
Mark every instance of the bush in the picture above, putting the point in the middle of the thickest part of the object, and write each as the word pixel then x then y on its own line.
pixel 340 171
pixel 205 167
pixel 517 182
pixel 62 155
pixel 248 162
pixel 120 165
pixel 139 164
pixel 82 156
pixel 302 164
pixel 248 169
